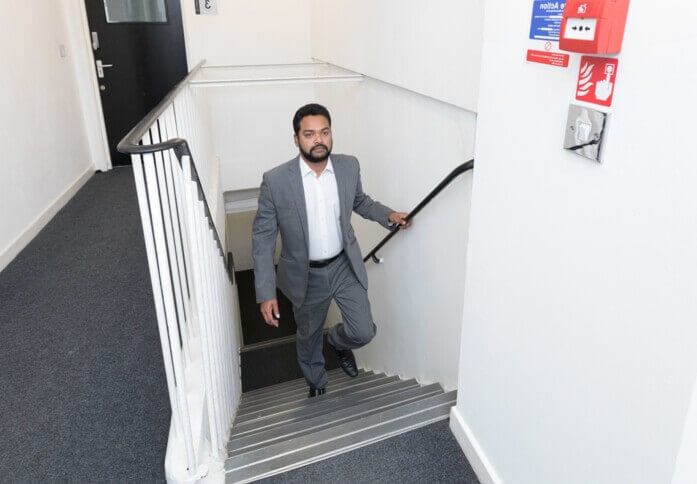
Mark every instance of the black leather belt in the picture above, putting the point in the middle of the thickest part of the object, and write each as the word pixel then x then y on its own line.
pixel 318 264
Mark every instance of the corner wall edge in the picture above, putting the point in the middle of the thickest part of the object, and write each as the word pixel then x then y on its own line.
pixel 473 451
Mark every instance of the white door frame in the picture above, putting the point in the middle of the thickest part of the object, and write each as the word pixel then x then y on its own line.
pixel 90 100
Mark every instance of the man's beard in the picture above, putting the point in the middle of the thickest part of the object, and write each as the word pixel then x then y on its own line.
pixel 314 158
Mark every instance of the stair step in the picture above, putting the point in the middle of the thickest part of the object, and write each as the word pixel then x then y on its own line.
pixel 271 365
pixel 245 443
pixel 300 389
pixel 318 406
pixel 295 452
pixel 362 390
pixel 301 394
pixel 274 342
pixel 287 384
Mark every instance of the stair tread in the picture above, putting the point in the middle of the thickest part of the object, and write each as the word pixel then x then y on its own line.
pixel 298 381
pixel 246 443
pixel 300 390
pixel 320 406
pixel 293 452
pixel 361 389
pixel 301 394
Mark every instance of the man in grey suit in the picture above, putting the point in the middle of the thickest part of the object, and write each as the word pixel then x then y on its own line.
pixel 309 200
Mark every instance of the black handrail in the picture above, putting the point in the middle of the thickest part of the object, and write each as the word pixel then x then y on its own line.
pixel 468 165
pixel 130 145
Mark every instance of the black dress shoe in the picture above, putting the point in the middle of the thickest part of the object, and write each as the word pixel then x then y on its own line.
pixel 347 362
pixel 315 392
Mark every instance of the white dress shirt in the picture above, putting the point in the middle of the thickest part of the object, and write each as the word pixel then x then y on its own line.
pixel 323 211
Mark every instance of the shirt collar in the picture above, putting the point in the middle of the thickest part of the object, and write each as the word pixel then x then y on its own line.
pixel 306 170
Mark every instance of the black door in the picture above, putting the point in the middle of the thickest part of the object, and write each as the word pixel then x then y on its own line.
pixel 140 44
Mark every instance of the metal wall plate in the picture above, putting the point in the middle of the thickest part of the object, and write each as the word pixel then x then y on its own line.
pixel 585 130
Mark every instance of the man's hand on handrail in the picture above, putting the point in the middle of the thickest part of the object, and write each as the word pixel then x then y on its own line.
pixel 399 219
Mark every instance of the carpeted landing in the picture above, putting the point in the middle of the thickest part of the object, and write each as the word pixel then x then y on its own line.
pixel 84 396
pixel 426 455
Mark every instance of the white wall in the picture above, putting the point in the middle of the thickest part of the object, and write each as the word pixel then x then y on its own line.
pixel 45 156
pixel 411 123
pixel 252 129
pixel 407 143
pixel 686 464
pixel 431 47
pixel 578 346
pixel 248 32
pixel 238 228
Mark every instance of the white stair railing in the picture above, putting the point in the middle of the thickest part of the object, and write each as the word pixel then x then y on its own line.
pixel 196 306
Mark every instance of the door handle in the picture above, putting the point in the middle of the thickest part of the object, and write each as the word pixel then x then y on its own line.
pixel 100 68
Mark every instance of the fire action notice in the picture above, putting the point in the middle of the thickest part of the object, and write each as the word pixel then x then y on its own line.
pixel 545 25
pixel 546 20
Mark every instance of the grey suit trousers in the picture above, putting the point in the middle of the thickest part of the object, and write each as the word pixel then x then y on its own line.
pixel 336 281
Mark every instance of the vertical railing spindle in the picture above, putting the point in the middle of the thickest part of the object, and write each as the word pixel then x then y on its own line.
pixel 195 304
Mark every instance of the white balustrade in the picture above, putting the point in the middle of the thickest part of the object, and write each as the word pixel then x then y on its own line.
pixel 194 295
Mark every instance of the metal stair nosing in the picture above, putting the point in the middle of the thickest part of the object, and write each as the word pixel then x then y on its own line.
pixel 370 389
pixel 302 394
pixel 318 406
pixel 301 391
pixel 293 453
pixel 370 382
pixel 272 451
pixel 309 409
pixel 299 387
pixel 297 383
pixel 269 343
pixel 247 443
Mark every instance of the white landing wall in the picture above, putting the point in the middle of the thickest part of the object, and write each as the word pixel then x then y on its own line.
pixel 46 157
pixel 407 143
pixel 252 129
pixel 248 32
pixel 430 47
pixel 410 123
pixel 578 357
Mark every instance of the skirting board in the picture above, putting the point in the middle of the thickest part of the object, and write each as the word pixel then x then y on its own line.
pixel 473 451
pixel 32 230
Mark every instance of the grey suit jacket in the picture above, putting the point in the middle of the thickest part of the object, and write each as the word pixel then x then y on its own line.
pixel 282 208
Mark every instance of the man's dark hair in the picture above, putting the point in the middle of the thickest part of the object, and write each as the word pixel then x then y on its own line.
pixel 309 110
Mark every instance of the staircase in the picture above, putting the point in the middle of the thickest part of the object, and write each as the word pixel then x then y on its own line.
pixel 278 428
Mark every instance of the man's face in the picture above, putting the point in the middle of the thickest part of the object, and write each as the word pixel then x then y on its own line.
pixel 314 139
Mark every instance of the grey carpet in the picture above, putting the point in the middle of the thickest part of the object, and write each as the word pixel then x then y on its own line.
pixel 84 395
pixel 425 455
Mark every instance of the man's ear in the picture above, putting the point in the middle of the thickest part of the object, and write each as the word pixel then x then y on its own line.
pixel 295 138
